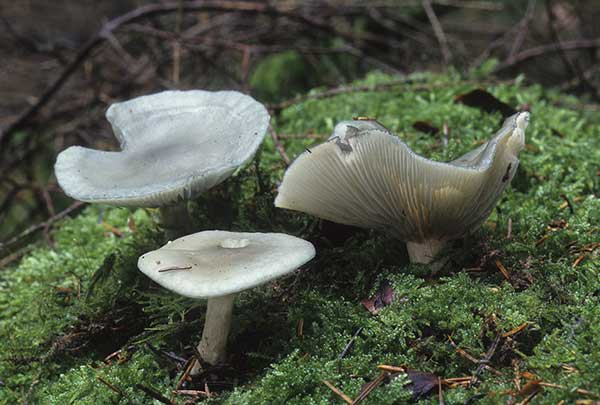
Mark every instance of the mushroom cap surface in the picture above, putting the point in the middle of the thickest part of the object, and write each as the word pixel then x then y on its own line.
pixel 365 176
pixel 216 263
pixel 175 145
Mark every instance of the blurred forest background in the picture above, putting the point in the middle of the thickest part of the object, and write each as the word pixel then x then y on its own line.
pixel 65 61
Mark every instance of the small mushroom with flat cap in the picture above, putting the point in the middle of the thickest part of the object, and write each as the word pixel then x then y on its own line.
pixel 365 176
pixel 174 146
pixel 217 265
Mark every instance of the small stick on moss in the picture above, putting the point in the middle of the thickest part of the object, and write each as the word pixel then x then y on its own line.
pixel 369 388
pixel 279 146
pixel 16 255
pixel 108 358
pixel 509 226
pixel 440 396
pixel 186 373
pixel 528 399
pixel 131 225
pixel 154 394
pixel 350 344
pixel 110 385
pixel 516 330
pixel 469 357
pixel 541 240
pixel 488 356
pixel 392 369
pixel 192 393
pixel 579 260
pixel 445 134
pixel 43 225
pixel 564 197
pixel 503 270
pixel 454 381
pixel 578 390
pixel 115 231
pixel 338 392
pixel 300 329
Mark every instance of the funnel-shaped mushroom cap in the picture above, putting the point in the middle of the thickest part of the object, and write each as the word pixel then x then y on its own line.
pixel 175 144
pixel 216 263
pixel 368 177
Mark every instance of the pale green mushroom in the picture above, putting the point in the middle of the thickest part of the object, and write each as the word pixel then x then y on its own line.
pixel 365 176
pixel 216 265
pixel 174 146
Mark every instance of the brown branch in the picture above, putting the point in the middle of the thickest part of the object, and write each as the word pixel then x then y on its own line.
pixel 523 28
pixel 469 357
pixel 570 65
pixel 42 225
pixel 486 359
pixel 338 392
pixel 550 48
pixel 164 8
pixel 437 30
pixel 335 92
pixel 151 392
pixel 279 146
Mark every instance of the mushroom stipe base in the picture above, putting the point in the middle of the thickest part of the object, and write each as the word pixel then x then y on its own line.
pixel 212 347
pixel 175 220
pixel 424 252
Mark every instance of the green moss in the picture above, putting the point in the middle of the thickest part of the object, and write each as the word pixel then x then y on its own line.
pixel 63 309
pixel 282 75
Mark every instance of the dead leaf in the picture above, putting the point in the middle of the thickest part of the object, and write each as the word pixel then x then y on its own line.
pixel 530 388
pixel 382 298
pixel 421 383
pixel 426 127
pixel 482 99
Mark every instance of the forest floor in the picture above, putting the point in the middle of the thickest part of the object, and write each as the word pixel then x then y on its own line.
pixel 512 316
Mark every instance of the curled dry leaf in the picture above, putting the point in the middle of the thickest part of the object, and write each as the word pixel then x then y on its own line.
pixel 382 298
pixel 426 127
pixel 482 99
pixel 421 383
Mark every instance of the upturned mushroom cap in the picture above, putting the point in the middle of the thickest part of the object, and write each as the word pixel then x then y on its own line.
pixel 367 177
pixel 175 145
pixel 216 263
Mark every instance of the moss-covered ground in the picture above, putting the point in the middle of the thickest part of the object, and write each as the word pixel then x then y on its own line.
pixel 65 308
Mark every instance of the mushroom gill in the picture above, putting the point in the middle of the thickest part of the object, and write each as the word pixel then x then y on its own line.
pixel 365 176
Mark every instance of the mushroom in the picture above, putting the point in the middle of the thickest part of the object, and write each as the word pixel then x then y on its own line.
pixel 217 265
pixel 365 176
pixel 175 145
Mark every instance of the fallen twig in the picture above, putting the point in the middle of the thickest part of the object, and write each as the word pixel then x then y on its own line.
pixel 154 394
pixel 110 385
pixel 549 48
pixel 469 357
pixel 437 30
pixel 369 388
pixel 488 356
pixel 339 393
pixel 147 10
pixel 279 146
pixel 350 344
pixel 42 225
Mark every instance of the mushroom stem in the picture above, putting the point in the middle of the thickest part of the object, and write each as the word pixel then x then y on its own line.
pixel 175 220
pixel 216 329
pixel 424 252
